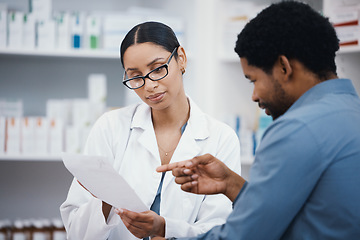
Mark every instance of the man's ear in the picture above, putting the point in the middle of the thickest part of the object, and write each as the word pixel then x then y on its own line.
pixel 285 66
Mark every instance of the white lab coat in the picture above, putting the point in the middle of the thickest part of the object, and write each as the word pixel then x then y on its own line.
pixel 126 136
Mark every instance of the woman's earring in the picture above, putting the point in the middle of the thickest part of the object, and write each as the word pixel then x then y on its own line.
pixel 183 71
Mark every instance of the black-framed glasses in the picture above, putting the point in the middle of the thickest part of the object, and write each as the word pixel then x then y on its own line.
pixel 154 75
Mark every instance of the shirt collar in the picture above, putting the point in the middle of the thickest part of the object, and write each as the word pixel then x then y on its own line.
pixel 333 86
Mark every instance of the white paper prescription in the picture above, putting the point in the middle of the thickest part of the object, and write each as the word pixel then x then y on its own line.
pixel 101 179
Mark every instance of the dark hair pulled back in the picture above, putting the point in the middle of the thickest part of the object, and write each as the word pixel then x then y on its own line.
pixel 151 32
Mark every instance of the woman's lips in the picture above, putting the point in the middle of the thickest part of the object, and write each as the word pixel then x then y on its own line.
pixel 156 97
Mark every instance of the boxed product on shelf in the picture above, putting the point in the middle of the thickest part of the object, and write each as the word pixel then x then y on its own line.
pixel 66 30
pixel 11 107
pixel 15 29
pixel 56 136
pixel 42 9
pixel 75 138
pixel 46 34
pixel 41 229
pixel 12 144
pixel 28 135
pixel 348 35
pixel 77 29
pixel 264 121
pixel 245 134
pixel 81 112
pixel 234 15
pixel 3 26
pixel 97 90
pixel 63 39
pixel 21 229
pixel 58 231
pixel 5 229
pixel 29 29
pixel 41 135
pixel 115 28
pixel 342 12
pixel 97 94
pixel 35 229
pixel 345 17
pixel 93 31
pixel 59 109
pixel 72 139
pixel 177 24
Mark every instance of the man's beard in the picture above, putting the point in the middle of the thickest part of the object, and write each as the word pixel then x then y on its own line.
pixel 280 103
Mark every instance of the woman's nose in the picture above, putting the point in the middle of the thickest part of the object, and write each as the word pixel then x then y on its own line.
pixel 150 85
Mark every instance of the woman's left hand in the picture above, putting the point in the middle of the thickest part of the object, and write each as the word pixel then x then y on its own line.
pixel 142 224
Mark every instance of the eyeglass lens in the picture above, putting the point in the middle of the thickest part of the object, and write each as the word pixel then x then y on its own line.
pixel 154 75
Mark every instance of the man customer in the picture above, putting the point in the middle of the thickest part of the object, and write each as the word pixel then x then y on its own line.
pixel 304 183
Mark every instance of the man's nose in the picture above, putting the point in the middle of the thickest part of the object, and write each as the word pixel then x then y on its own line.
pixel 254 96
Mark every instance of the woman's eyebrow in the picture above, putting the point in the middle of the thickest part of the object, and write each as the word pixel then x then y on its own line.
pixel 131 69
pixel 154 61
pixel 149 64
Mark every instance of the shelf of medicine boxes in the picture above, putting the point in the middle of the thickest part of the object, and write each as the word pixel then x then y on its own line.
pixel 72 53
pixel 81 53
pixel 233 57
pixel 27 157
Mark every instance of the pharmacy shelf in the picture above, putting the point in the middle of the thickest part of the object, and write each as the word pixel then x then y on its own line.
pixel 349 49
pixel 73 53
pixel 32 158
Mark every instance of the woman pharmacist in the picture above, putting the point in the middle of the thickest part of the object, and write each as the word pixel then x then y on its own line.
pixel 166 127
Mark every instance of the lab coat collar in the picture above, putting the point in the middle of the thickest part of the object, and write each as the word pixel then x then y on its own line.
pixel 142 121
pixel 197 121
pixel 197 129
pixel 142 117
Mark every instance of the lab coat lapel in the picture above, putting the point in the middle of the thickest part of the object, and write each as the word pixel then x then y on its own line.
pixel 142 122
pixel 190 143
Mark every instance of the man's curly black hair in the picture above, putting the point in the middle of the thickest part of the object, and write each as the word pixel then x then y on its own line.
pixel 292 29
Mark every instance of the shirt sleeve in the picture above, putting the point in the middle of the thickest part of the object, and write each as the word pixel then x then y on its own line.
pixel 283 175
